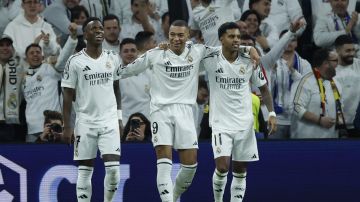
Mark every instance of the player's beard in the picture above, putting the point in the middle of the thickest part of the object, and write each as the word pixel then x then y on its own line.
pixel 349 60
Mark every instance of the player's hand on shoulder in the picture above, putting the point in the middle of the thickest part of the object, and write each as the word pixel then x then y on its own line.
pixel 164 45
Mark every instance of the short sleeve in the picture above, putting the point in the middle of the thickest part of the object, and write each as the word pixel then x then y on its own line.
pixel 69 77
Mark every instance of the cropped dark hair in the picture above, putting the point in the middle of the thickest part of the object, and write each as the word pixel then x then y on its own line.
pixel 147 132
pixel 246 14
pixel 227 25
pixel 319 57
pixel 76 12
pixel 179 23
pixel 343 39
pixel 88 21
pixel 127 41
pixel 111 17
pixel 252 2
pixel 35 45
pixel 142 37
pixel 247 37
pixel 52 115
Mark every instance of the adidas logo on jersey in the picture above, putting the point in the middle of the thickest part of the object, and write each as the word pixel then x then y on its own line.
pixel 254 156
pixel 219 71
pixel 87 68
pixel 168 63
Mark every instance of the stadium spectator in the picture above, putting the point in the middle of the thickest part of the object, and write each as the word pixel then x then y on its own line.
pixel 137 129
pixel 283 13
pixel 163 34
pixel 111 33
pixel 267 27
pixel 208 16
pixel 8 11
pixel 140 20
pixel 41 88
pixel 52 130
pixel 11 74
pixel 288 69
pixel 79 15
pixel 317 102
pixel 135 90
pixel 161 7
pixel 322 8
pixel 201 100
pixel 102 8
pixel 335 23
pixel 29 27
pixel 58 14
pixel 243 27
pixel 348 76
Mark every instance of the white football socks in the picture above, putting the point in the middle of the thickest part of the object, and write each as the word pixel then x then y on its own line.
pixel 219 182
pixel 184 179
pixel 83 184
pixel 163 179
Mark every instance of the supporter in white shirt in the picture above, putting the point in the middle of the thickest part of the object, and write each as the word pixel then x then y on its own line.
pixel 348 76
pixel 135 90
pixel 102 8
pixel 163 34
pixel 267 27
pixel 288 69
pixel 284 12
pixel 111 33
pixel 320 8
pixel 161 7
pixel 231 116
pixel 315 113
pixel 40 87
pixel 29 27
pixel 336 23
pixel 8 12
pixel 58 14
pixel 208 16
pixel 140 20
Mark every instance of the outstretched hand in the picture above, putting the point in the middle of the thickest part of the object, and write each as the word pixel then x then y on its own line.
pixel 298 24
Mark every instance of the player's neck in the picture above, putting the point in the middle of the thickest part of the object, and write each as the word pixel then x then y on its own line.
pixel 93 51
pixel 230 55
pixel 178 52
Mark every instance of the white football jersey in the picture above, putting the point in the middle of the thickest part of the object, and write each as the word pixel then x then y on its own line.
pixel 209 19
pixel 92 79
pixel 174 78
pixel 41 93
pixel 230 100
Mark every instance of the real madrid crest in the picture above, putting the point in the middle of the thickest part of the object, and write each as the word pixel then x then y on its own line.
pixel 155 139
pixel 218 150
pixel 190 59
pixel 242 69
pixel 108 65
pixel 39 78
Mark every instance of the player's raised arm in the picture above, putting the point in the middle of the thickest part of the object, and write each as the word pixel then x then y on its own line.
pixel 136 67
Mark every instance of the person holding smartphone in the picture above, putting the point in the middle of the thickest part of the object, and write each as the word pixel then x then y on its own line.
pixel 137 129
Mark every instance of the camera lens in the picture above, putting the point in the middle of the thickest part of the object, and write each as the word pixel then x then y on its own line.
pixel 56 127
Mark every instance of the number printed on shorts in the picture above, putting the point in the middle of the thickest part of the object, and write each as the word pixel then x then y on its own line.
pixel 77 140
pixel 155 127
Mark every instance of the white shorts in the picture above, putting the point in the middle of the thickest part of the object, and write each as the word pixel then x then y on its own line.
pixel 242 146
pixel 174 125
pixel 88 140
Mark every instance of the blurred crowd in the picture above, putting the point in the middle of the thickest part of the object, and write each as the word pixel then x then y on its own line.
pixel 309 50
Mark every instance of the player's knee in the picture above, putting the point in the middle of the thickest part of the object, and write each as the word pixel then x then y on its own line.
pixel 112 172
pixel 222 168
